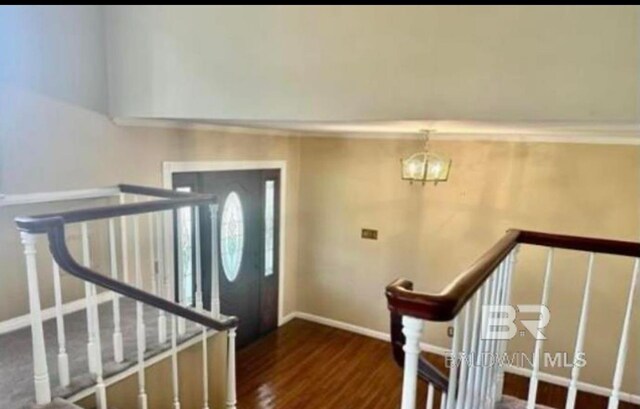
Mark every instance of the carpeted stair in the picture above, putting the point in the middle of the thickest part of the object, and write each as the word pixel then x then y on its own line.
pixel 57 404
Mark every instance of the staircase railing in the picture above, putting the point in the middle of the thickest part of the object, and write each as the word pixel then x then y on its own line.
pixel 488 283
pixel 157 207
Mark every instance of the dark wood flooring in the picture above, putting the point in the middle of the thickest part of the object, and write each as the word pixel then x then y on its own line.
pixel 307 365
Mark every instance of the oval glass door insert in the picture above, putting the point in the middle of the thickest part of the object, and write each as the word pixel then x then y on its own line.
pixel 231 236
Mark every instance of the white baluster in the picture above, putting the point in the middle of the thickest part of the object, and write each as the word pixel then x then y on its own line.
pixel 162 320
pixel 141 334
pixel 215 283
pixel 124 244
pixel 88 293
pixel 495 347
pixel 511 260
pixel 624 340
pixel 174 364
pixel 198 261
pixel 412 329
pixel 486 349
pixel 533 383
pixel 101 389
pixel 473 350
pixel 464 367
pixel 93 321
pixel 181 273
pixel 582 327
pixel 430 393
pixel 153 261
pixel 453 370
pixel 205 370
pixel 443 400
pixel 63 358
pixel 40 369
pixel 231 369
pixel 200 307
pixel 477 370
pixel 117 331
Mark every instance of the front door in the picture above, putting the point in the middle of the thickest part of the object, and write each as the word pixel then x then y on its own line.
pixel 248 236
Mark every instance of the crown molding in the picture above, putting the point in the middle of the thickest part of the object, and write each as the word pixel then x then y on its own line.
pixel 598 134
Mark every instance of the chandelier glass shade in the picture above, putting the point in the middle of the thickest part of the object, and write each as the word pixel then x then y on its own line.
pixel 425 167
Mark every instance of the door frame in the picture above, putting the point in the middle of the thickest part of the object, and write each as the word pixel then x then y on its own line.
pixel 170 168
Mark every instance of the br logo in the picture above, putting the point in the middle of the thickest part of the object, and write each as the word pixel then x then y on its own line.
pixel 501 320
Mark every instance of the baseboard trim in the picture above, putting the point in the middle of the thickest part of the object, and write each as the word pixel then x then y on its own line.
pixel 384 336
pixel 24 321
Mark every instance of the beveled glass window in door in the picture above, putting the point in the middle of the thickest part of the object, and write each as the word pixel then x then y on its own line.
pixel 269 220
pixel 231 236
pixel 185 251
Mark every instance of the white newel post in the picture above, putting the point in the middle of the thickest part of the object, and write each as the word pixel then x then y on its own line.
pixel 231 368
pixel 40 369
pixel 63 358
pixel 412 329
pixel 117 331
pixel 215 277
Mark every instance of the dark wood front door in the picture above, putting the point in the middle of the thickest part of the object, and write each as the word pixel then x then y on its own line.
pixel 248 220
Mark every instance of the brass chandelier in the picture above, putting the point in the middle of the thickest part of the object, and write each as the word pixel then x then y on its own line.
pixel 426 166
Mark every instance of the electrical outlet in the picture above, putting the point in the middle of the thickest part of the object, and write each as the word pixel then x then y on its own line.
pixel 450 332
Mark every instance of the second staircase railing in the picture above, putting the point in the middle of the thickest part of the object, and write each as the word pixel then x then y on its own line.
pixel 470 384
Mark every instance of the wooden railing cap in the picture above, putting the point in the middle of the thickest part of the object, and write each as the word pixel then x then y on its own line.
pixel 444 306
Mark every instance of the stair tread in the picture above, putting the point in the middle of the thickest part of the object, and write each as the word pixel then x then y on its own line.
pixel 510 402
pixel 57 403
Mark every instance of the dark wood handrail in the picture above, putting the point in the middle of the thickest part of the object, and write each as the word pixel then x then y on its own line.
pixel 444 306
pixel 54 226
pixel 169 199
pixel 60 252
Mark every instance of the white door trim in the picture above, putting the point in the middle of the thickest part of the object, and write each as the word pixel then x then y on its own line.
pixel 169 168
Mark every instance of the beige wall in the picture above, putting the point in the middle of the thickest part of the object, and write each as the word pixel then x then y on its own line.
pixel 429 234
pixel 49 145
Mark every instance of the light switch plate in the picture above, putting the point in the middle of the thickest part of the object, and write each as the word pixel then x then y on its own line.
pixel 369 234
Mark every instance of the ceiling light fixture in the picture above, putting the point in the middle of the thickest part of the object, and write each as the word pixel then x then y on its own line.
pixel 425 166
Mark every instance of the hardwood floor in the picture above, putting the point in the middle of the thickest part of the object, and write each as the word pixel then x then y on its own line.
pixel 307 365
